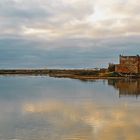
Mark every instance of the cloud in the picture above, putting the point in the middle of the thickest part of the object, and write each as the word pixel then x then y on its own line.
pixel 41 17
pixel 104 26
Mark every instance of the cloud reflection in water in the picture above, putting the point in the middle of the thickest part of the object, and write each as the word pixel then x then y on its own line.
pixel 40 108
pixel 86 121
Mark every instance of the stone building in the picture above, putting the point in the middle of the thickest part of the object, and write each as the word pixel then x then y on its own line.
pixel 128 65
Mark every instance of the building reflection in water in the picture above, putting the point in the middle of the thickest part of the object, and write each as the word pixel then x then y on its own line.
pixel 126 87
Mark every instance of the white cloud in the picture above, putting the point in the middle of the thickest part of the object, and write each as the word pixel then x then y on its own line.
pixel 60 19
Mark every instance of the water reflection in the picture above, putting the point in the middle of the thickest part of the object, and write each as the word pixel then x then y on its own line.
pixel 85 121
pixel 43 108
pixel 129 87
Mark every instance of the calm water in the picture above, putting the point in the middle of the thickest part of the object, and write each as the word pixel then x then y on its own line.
pixel 43 108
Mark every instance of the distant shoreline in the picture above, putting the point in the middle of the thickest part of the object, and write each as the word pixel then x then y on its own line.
pixel 81 74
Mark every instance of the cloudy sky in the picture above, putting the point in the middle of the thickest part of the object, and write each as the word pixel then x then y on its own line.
pixel 67 33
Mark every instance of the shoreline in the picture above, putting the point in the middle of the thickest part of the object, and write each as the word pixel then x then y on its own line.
pixel 81 74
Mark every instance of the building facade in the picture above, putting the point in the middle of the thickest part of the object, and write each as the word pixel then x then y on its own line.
pixel 128 65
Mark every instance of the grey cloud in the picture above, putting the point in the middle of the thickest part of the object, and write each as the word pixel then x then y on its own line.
pixel 61 23
pixel 41 15
pixel 13 9
pixel 64 53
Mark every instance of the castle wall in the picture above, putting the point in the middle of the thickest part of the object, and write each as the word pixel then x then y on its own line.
pixel 128 64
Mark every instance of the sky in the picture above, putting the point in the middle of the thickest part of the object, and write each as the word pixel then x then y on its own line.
pixel 67 33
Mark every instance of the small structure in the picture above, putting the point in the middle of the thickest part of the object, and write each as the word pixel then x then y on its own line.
pixel 128 65
pixel 111 67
